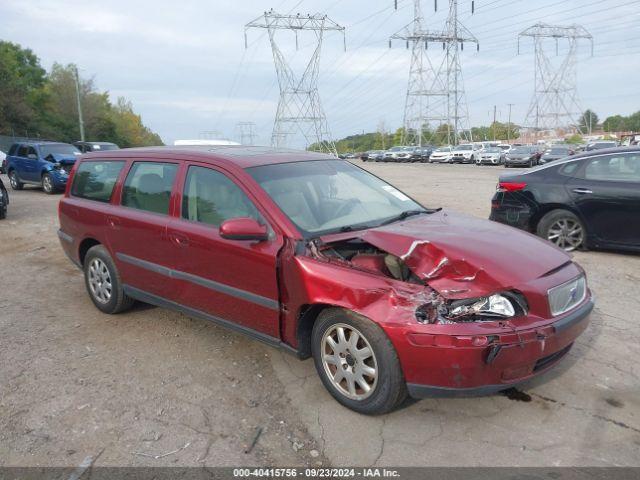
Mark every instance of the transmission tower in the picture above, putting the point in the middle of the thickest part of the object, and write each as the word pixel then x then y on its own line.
pixel 435 93
pixel 299 108
pixel 555 101
pixel 246 133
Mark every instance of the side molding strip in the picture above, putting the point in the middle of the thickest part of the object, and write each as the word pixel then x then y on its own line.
pixel 65 236
pixel 146 297
pixel 203 282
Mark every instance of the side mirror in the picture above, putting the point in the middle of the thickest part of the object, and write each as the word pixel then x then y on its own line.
pixel 243 228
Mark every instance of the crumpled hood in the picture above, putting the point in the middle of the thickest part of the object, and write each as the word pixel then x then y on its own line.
pixel 462 256
pixel 62 158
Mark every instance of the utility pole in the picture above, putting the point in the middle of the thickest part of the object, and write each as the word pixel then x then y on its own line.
pixel 493 125
pixel 509 123
pixel 80 120
pixel 435 93
pixel 555 101
pixel 299 107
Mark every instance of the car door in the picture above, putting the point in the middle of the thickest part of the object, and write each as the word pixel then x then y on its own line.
pixel 606 192
pixel 31 168
pixel 232 280
pixel 19 161
pixel 138 226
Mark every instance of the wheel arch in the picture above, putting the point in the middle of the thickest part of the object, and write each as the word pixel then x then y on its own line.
pixel 84 247
pixel 549 207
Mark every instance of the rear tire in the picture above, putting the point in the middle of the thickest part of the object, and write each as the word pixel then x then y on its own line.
pixel 562 228
pixel 342 367
pixel 13 180
pixel 103 282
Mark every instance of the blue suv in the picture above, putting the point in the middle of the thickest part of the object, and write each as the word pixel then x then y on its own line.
pixel 41 163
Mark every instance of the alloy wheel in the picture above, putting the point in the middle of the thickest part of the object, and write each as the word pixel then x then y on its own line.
pixel 349 361
pixel 47 184
pixel 566 234
pixel 13 180
pixel 100 281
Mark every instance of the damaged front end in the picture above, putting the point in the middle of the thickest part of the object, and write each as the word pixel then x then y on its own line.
pixel 431 305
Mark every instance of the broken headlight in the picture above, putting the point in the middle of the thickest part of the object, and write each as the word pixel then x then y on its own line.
pixel 493 307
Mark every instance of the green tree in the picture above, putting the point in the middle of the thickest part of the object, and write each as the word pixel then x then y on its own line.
pixel 615 123
pixel 21 82
pixel 588 121
pixel 574 139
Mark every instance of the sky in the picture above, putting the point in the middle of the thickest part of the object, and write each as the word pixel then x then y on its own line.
pixel 185 68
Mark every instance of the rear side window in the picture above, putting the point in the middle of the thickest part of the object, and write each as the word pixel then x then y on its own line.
pixel 148 186
pixel 210 197
pixel 614 168
pixel 95 180
pixel 13 149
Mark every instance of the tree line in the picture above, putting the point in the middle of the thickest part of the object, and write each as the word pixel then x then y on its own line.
pixel 39 104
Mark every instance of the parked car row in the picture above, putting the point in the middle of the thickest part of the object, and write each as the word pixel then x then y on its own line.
pixel 47 164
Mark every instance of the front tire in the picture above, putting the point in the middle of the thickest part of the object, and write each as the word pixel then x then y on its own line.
pixel 357 362
pixel 562 228
pixel 13 180
pixel 103 282
pixel 47 184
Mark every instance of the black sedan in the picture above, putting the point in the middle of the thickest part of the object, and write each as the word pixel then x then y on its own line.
pixel 589 200
pixel 556 153
pixel 421 154
pixel 525 156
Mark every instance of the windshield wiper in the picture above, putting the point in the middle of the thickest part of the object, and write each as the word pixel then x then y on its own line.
pixel 409 213
pixel 351 228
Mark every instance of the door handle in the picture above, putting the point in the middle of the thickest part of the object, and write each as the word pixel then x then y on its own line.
pixel 582 191
pixel 179 239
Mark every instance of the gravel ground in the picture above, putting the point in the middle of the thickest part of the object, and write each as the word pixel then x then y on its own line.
pixel 75 382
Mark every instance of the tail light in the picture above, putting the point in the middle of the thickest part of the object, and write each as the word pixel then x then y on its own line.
pixel 510 186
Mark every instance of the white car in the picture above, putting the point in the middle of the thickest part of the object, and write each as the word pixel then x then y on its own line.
pixel 441 155
pixel 505 147
pixel 490 156
pixel 466 153
pixel 3 159
pixel 398 154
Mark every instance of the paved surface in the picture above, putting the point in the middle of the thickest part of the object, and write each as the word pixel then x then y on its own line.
pixel 74 382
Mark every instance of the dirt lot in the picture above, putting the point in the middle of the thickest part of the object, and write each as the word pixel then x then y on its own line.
pixel 75 382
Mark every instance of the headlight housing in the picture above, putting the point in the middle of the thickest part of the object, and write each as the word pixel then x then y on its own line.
pixel 490 308
pixel 568 295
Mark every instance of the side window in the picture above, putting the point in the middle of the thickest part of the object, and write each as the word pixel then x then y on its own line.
pixel 614 168
pixel 31 153
pixel 95 180
pixel 13 149
pixel 148 186
pixel 569 169
pixel 22 151
pixel 211 197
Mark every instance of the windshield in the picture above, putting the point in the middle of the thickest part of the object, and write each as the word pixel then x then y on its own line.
pixel 395 149
pixel 443 149
pixel 558 151
pixel 326 196
pixel 522 150
pixel 493 150
pixel 105 146
pixel 59 149
pixel 464 147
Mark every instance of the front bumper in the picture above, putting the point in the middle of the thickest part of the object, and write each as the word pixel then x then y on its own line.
pixel 511 359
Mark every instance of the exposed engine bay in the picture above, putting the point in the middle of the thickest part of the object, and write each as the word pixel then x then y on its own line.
pixel 431 306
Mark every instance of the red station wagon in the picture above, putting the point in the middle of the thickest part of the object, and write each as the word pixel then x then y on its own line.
pixel 314 255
